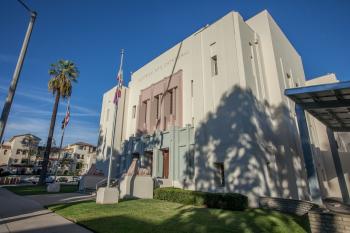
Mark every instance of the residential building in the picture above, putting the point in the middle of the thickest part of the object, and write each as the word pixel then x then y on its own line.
pixel 210 114
pixel 83 156
pixel 23 154
pixel 53 159
pixel 19 152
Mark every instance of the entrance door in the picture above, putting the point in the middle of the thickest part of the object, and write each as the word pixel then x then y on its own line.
pixel 165 164
pixel 148 162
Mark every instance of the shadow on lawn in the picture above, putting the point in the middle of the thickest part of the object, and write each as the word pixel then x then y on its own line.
pixel 193 219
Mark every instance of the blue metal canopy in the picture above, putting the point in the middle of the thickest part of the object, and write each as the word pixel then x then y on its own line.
pixel 329 103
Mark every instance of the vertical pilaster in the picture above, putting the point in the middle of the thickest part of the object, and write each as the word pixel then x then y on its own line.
pixel 337 164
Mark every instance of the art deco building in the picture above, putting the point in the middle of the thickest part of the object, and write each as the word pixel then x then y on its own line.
pixel 210 114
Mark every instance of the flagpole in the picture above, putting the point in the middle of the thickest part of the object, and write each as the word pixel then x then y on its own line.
pixel 113 129
pixel 59 152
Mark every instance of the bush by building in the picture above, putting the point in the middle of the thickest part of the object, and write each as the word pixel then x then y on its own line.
pixel 227 201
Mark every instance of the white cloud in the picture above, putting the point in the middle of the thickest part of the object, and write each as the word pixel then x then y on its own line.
pixel 8 58
pixel 41 96
pixel 75 131
pixel 33 115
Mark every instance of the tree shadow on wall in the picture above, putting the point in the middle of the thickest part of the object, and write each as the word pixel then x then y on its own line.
pixel 257 145
pixel 103 152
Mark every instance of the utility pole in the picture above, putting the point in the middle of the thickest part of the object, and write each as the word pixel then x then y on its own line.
pixel 11 92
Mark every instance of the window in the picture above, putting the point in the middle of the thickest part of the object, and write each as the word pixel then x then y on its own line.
pixel 81 147
pixel 18 152
pixel 219 176
pixel 82 156
pixel 78 156
pixel 172 97
pixel 156 99
pixel 5 152
pixel 107 115
pixel 171 101
pixel 144 104
pixel 133 111
pixel 191 88
pixel 24 152
pixel 190 163
pixel 214 66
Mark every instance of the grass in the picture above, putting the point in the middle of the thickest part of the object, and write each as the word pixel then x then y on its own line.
pixel 39 189
pixel 161 216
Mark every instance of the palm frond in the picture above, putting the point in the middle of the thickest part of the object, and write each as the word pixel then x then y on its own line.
pixel 63 73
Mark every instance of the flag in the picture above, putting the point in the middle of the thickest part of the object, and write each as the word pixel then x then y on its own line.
pixel 118 91
pixel 66 118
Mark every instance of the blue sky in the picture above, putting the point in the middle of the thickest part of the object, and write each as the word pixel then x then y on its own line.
pixel 92 32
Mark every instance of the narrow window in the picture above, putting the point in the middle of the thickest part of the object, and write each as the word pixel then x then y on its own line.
pixel 145 113
pixel 192 88
pixel 157 106
pixel 192 106
pixel 133 111
pixel 171 101
pixel 5 151
pixel 107 115
pixel 219 176
pixel 214 66
pixel 190 162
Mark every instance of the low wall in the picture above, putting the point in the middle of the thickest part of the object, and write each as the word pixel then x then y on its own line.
pixel 297 207
pixel 136 186
pixel 321 222
pixel 89 182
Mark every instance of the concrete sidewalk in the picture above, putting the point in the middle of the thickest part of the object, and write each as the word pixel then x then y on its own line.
pixel 25 215
pixel 60 198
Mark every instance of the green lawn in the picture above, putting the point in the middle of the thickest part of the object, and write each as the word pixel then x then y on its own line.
pixel 37 189
pixel 161 216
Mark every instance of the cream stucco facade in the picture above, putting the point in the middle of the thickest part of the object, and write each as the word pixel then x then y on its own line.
pixel 213 104
pixel 19 150
pixel 82 154
pixel 321 149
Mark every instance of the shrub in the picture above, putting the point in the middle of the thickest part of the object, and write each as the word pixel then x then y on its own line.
pixel 227 201
pixel 175 195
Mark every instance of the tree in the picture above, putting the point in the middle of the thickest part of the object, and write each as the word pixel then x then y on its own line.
pixel 62 74
pixel 32 144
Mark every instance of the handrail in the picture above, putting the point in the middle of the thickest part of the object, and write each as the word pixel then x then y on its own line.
pixel 100 182
pixel 104 181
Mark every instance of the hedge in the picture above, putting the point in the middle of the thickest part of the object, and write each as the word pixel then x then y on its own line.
pixel 227 201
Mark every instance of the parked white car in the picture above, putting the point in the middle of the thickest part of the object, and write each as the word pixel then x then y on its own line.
pixel 32 179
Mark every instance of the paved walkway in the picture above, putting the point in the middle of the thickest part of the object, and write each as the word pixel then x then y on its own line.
pixel 49 199
pixel 24 215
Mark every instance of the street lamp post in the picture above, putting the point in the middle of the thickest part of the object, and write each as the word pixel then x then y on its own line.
pixel 11 92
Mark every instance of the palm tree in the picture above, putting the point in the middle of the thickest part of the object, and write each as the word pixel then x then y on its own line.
pixel 62 74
